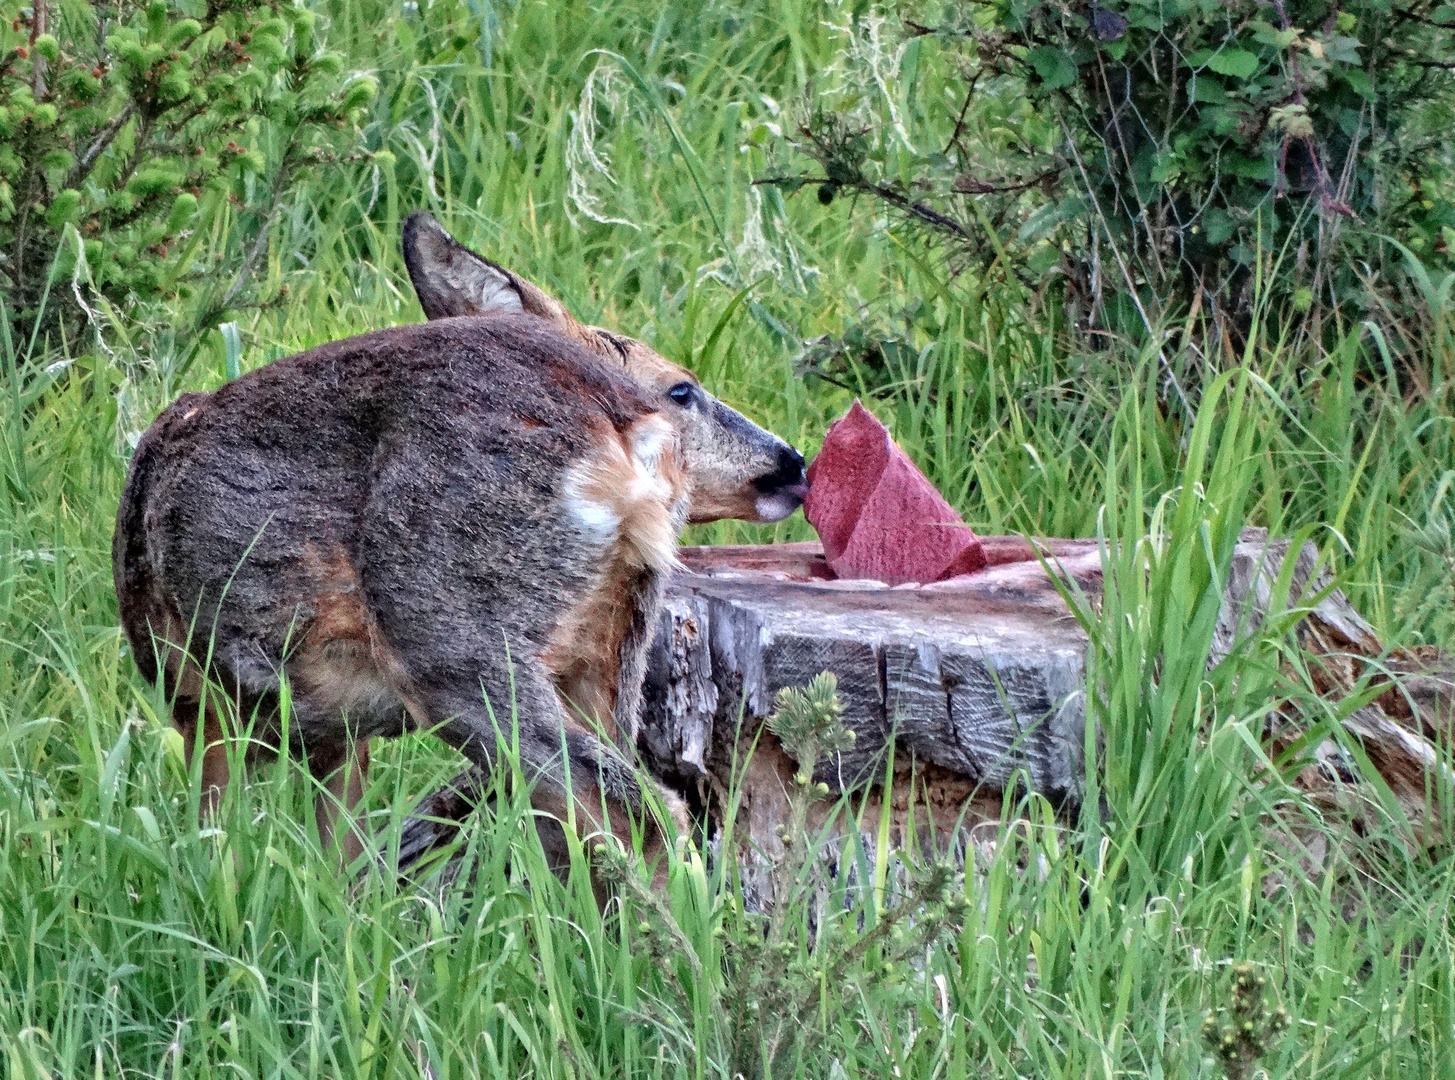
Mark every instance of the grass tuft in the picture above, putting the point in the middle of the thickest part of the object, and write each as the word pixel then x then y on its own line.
pixel 134 943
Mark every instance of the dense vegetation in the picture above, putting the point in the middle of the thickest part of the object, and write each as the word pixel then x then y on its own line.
pixel 1187 155
pixel 120 152
pixel 608 151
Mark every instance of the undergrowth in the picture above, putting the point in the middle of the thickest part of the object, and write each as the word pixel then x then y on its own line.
pixel 133 942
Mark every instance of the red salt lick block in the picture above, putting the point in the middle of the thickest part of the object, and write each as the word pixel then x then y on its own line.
pixel 877 515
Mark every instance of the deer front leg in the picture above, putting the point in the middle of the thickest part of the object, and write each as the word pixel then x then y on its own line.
pixel 344 769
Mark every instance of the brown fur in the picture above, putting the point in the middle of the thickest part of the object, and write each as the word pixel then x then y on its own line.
pixel 344 661
pixel 383 519
pixel 452 280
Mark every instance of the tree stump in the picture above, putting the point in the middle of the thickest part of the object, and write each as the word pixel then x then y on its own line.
pixel 976 683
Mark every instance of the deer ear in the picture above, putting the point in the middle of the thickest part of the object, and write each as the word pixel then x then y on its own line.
pixel 450 279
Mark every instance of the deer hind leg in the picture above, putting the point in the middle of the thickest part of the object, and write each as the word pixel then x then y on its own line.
pixel 343 766
pixel 195 715
pixel 605 798
pixel 202 733
pixel 471 692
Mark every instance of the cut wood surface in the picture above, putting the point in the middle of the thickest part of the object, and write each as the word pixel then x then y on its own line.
pixel 976 680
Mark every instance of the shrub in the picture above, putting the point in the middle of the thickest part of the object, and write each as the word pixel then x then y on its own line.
pixel 130 131
pixel 1152 151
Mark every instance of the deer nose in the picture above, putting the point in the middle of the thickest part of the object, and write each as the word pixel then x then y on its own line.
pixel 788 475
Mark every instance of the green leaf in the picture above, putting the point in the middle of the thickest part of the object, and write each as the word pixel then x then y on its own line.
pixel 65 208
pixel 155 180
pixel 1224 121
pixel 1043 258
pixel 1217 226
pixel 327 63
pixel 1250 168
pixel 1053 214
pixel 1342 50
pixel 1234 63
pixel 1359 82
pixel 359 93
pixel 58 159
pixel 182 31
pixel 183 207
pixel 1268 35
pixel 1293 120
pixel 148 823
pixel 1206 90
pixel 1053 65
pixel 232 350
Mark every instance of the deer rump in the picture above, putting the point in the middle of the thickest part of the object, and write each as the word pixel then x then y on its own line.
pixel 397 521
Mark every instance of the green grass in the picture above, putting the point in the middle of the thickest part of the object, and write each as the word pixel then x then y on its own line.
pixel 131 943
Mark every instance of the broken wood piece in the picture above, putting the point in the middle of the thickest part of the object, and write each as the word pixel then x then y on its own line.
pixel 877 514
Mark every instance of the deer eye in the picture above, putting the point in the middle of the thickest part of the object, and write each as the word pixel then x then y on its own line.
pixel 685 394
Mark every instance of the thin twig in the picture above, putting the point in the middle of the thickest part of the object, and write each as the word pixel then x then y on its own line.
pixel 927 214
pixel 260 242
pixel 138 155
pixel 104 138
pixel 964 111
pixel 968 186
pixel 40 16
pixel 260 245
pixel 1127 279
pixel 255 252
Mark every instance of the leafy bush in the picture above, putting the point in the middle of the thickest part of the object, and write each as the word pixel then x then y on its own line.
pixel 129 132
pixel 1205 130
pixel 1152 151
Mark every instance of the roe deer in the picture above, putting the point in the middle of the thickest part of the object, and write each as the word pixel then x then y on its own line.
pixel 420 523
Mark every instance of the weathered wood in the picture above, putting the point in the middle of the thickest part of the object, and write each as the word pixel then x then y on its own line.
pixel 1401 729
pixel 977 680
pixel 982 676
